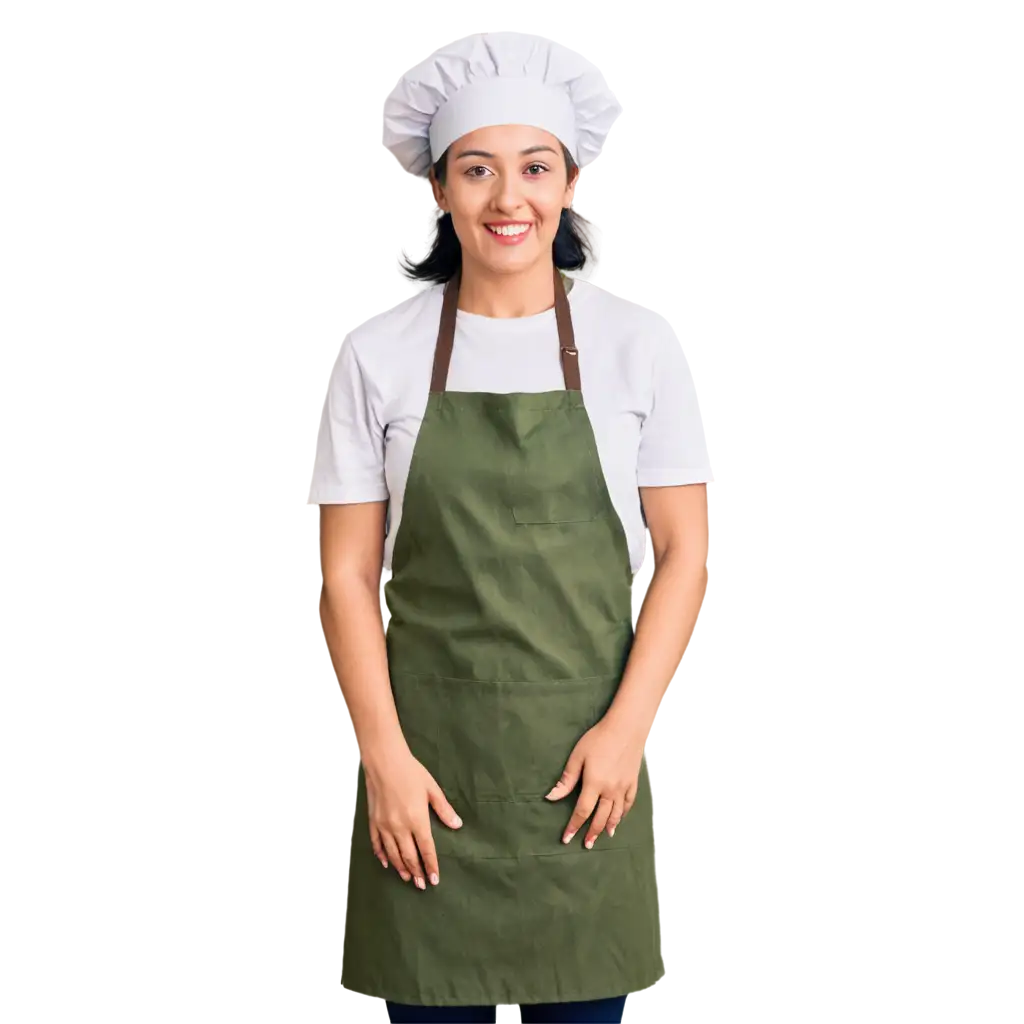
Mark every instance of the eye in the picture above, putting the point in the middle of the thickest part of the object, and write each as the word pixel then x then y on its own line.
pixel 475 167
pixel 541 166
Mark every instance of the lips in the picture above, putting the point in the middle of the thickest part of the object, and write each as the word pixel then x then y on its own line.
pixel 512 239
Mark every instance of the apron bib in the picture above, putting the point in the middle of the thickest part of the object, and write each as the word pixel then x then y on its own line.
pixel 511 622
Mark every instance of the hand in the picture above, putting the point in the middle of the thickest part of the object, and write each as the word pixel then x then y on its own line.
pixel 610 760
pixel 400 793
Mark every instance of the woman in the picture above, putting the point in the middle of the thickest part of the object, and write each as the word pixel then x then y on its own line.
pixel 508 694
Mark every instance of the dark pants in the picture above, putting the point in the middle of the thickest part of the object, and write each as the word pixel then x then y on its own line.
pixel 590 1011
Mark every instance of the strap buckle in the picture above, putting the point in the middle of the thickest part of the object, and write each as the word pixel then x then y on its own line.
pixel 571 351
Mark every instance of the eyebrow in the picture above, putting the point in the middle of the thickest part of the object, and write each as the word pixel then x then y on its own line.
pixel 490 156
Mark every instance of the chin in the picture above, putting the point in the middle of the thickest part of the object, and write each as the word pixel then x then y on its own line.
pixel 516 265
pixel 510 263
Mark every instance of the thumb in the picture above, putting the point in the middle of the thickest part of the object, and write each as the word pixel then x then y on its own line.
pixel 444 810
pixel 569 778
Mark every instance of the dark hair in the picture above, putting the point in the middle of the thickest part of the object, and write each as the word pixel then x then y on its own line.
pixel 571 249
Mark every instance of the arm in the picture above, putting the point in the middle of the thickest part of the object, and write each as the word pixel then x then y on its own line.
pixel 672 473
pixel 678 521
pixel 350 486
pixel 612 750
pixel 399 789
pixel 351 555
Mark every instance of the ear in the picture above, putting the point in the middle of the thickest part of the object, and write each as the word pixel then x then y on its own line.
pixel 570 190
pixel 439 196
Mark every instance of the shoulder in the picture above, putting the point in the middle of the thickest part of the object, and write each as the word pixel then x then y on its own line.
pixel 625 323
pixel 383 335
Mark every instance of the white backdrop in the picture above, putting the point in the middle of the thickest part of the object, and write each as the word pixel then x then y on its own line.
pixel 810 96
pixel 838 384
pixel 844 383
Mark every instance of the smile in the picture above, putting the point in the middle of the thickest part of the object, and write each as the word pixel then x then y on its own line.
pixel 509 234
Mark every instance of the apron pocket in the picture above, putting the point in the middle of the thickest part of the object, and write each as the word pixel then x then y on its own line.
pixel 585 920
pixel 559 478
pixel 579 498
pixel 541 723
pixel 509 741
pixel 417 705
pixel 572 505
pixel 469 741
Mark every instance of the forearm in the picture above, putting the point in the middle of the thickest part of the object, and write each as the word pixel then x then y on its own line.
pixel 663 630
pixel 351 618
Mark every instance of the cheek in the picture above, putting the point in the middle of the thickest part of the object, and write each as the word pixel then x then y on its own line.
pixel 548 207
pixel 466 204
pixel 550 219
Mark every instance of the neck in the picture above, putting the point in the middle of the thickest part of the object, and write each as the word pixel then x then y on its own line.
pixel 503 295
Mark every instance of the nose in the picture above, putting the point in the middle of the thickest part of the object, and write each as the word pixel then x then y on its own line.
pixel 508 197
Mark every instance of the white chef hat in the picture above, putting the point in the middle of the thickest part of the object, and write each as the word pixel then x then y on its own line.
pixel 497 78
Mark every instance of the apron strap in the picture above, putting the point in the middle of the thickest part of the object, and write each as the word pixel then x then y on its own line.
pixel 566 337
pixel 446 334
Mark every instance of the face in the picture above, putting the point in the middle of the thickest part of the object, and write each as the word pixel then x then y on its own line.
pixel 505 174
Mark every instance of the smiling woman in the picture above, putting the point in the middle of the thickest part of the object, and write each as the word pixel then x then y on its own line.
pixel 490 441
pixel 569 243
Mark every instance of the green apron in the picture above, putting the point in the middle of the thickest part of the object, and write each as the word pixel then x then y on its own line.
pixel 511 622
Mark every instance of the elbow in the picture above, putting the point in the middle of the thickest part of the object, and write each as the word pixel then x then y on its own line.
pixel 682 544
pixel 342 586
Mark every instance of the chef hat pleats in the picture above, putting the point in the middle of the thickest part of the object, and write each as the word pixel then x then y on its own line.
pixel 497 78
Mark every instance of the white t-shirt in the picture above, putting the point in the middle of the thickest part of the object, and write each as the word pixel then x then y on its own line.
pixel 636 385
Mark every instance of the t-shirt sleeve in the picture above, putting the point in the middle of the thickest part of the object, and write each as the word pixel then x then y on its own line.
pixel 672 446
pixel 349 464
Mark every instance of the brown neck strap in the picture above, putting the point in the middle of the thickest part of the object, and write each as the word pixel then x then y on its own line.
pixel 446 334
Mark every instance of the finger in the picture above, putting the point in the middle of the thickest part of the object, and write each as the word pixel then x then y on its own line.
pixel 407 869
pixel 428 854
pixel 411 856
pixel 630 799
pixel 443 809
pixel 604 808
pixel 584 808
pixel 395 856
pixel 569 778
pixel 615 817
pixel 378 845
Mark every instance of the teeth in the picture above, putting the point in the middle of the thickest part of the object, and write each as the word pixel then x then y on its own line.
pixel 517 229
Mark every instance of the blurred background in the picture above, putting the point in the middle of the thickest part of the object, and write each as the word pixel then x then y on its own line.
pixel 824 200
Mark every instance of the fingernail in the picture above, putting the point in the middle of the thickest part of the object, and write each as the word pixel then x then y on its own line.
pixel 420 884
pixel 457 820
pixel 384 861
pixel 611 831
pixel 568 837
pixel 406 876
pixel 589 844
pixel 434 879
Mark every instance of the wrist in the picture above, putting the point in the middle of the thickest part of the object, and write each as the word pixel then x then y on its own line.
pixel 381 749
pixel 628 723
